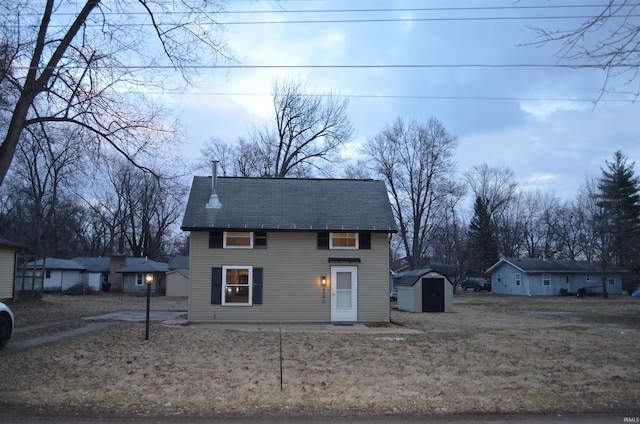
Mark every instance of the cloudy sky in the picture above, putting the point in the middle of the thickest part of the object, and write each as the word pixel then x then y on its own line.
pixel 472 67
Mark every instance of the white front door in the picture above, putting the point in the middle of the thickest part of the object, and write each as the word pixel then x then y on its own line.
pixel 344 293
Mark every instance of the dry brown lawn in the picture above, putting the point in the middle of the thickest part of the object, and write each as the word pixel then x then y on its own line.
pixel 492 354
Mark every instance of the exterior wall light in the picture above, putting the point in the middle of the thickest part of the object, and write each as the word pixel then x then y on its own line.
pixel 323 283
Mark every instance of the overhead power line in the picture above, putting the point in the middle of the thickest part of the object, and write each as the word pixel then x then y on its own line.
pixel 356 66
pixel 405 97
pixel 374 10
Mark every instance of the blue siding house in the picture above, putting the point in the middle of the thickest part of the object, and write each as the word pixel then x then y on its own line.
pixel 545 277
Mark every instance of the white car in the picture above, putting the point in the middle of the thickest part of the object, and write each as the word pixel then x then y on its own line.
pixel 6 325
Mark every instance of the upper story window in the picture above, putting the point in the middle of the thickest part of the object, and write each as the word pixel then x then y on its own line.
pixel 343 240
pixel 238 240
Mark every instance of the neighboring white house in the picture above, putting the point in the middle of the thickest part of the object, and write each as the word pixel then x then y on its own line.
pixel 545 277
pixel 59 274
pixel 95 272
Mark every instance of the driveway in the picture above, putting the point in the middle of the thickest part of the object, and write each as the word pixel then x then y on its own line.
pixel 56 331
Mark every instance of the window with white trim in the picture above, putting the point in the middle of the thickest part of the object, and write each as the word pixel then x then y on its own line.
pixel 546 279
pixel 237 285
pixel 498 278
pixel 139 279
pixel 238 240
pixel 343 240
pixel 518 279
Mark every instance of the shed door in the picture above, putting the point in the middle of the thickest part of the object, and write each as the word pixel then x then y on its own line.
pixel 344 293
pixel 433 295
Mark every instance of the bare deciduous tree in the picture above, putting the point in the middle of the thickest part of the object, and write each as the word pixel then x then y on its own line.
pixel 87 66
pixel 495 186
pixel 417 163
pixel 41 187
pixel 609 40
pixel 306 132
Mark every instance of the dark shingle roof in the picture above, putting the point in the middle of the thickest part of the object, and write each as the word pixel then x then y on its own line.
pixel 549 265
pixel 94 263
pixel 143 265
pixel 290 204
pixel 55 263
pixel 9 243
pixel 179 262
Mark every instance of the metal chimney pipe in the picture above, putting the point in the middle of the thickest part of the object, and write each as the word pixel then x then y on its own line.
pixel 214 177
pixel 214 202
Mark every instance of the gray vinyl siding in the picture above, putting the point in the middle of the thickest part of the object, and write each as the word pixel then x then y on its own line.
pixel 292 266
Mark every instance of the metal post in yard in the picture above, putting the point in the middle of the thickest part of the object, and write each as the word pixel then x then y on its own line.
pixel 149 280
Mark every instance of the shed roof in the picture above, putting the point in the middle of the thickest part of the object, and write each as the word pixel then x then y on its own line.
pixel 410 278
pixel 288 204
pixel 548 265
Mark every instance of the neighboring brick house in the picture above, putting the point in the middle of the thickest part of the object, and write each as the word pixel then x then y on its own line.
pixel 288 250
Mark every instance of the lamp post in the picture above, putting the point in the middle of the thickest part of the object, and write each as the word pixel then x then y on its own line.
pixel 148 279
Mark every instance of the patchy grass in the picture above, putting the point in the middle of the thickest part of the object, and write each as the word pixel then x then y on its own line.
pixel 492 354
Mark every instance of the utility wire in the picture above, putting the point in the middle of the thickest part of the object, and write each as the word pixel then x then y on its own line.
pixel 402 97
pixel 354 66
pixel 377 10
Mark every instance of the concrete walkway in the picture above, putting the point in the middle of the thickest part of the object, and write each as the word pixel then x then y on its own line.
pixel 137 316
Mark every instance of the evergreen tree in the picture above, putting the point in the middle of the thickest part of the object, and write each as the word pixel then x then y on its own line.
pixel 619 199
pixel 618 219
pixel 482 245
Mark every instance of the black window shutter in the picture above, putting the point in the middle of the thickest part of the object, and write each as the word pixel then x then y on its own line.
pixel 257 286
pixel 260 239
pixel 216 286
pixel 365 240
pixel 215 239
pixel 323 240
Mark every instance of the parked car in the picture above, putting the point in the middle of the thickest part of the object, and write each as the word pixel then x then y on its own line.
pixel 475 283
pixel 6 325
